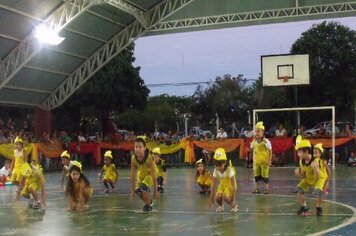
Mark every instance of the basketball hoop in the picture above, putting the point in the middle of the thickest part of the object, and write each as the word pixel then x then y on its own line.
pixel 284 79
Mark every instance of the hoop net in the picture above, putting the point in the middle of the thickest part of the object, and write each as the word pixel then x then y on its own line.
pixel 284 78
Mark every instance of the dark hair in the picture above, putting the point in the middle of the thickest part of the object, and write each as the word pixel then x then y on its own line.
pixel 141 140
pixel 70 184
pixel 219 163
pixel 197 172
pixel 306 149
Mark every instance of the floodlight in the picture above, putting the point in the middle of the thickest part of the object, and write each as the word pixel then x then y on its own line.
pixel 47 36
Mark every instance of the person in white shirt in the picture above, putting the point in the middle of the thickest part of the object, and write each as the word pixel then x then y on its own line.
pixel 281 132
pixel 221 134
pixel 5 171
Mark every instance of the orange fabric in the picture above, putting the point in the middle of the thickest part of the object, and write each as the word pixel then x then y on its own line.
pixel 50 150
pixel 327 142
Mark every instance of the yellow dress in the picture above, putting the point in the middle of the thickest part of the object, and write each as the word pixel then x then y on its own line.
pixel 144 175
pixel 261 155
pixel 19 161
pixel 110 172
pixel 205 179
pixel 320 183
pixel 160 168
pixel 225 186
pixel 33 182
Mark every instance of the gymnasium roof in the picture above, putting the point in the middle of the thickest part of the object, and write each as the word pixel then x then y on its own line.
pixel 95 31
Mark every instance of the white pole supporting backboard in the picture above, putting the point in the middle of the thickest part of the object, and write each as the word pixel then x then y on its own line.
pixel 332 108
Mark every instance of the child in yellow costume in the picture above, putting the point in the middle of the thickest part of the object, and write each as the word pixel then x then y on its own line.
pixel 78 188
pixel 67 163
pixel 226 175
pixel 143 163
pixel 262 157
pixel 203 177
pixel 111 174
pixel 20 158
pixel 311 176
pixel 161 169
pixel 34 181
pixel 323 165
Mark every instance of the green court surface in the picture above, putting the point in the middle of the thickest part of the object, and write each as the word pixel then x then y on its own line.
pixel 181 210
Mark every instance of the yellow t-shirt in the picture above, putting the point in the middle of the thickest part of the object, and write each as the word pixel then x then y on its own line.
pixel 308 169
pixel 261 151
pixel 142 166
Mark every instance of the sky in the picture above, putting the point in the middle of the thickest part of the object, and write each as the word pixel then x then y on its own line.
pixel 201 56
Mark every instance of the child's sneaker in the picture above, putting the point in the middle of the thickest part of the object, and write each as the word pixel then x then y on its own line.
pixel 235 209
pixel 160 189
pixel 36 205
pixel 106 191
pixel 220 209
pixel 147 209
pixel 112 190
pixel 303 211
pixel 319 211
pixel 30 202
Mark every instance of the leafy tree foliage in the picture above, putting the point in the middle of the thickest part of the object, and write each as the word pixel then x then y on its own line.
pixel 332 51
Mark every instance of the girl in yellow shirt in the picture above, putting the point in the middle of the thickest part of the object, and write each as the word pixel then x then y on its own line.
pixel 111 174
pixel 203 177
pixel 20 158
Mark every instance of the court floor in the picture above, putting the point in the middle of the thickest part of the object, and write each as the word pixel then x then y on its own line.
pixel 181 210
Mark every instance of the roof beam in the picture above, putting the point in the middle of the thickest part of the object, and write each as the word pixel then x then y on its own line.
pixel 27 89
pixel 9 37
pixel 18 103
pixel 140 15
pixel 297 11
pixel 30 46
pixel 111 49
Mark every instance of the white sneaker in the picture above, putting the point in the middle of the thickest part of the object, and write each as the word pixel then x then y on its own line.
pixel 106 191
pixel 36 205
pixel 220 209
pixel 234 209
pixel 30 202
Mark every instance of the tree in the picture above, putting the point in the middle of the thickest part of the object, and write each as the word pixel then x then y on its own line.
pixel 227 96
pixel 115 88
pixel 332 51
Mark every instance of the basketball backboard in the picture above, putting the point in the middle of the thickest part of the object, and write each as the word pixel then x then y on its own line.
pixel 285 70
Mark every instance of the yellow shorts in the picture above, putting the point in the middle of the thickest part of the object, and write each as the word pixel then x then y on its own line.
pixel 261 170
pixel 26 190
pixel 225 190
pixel 16 175
pixel 305 185
pixel 204 181
pixel 147 180
pixel 111 178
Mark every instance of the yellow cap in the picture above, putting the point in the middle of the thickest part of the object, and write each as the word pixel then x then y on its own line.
pixel 304 143
pixel 260 125
pixel 319 146
pixel 156 150
pixel 199 161
pixel 18 140
pixel 77 164
pixel 26 170
pixel 297 141
pixel 220 154
pixel 65 154
pixel 108 154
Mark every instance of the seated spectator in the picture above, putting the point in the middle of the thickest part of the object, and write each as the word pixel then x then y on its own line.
pixel 321 132
pixel 221 134
pixel 81 137
pixel 347 131
pixel 3 139
pixel 5 171
pixel 10 124
pixel 301 130
pixel 281 132
pixel 352 159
